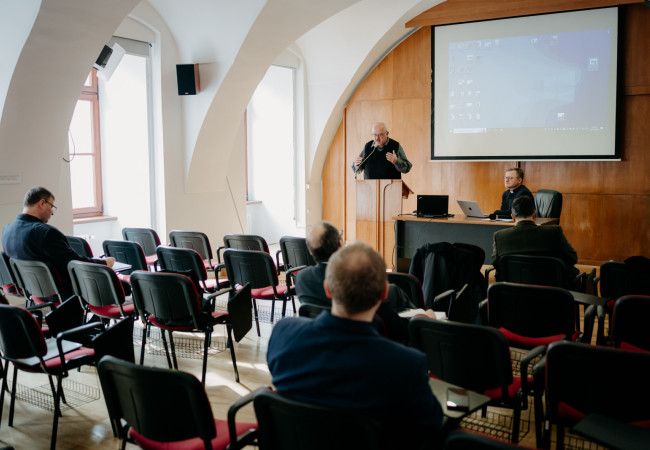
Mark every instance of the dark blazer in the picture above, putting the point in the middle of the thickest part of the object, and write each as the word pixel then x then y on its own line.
pixel 527 238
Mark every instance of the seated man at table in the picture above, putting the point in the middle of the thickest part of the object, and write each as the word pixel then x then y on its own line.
pixel 29 237
pixel 515 188
pixel 322 241
pixel 527 238
pixel 339 359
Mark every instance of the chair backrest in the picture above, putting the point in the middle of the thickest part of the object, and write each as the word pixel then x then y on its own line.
pixel 159 404
pixel 20 334
pixel 629 323
pixel 195 240
pixel 169 297
pixel 245 242
pixel 602 380
pixel 295 252
pixel 311 311
pixel 471 356
pixel 533 269
pixel 185 261
pixel 478 252
pixel 293 425
pixel 126 252
pixel 548 203
pixel 97 285
pixel 7 276
pixel 80 245
pixel 410 285
pixel 146 237
pixel 250 266
pixel 621 278
pixel 531 311
pixel 38 278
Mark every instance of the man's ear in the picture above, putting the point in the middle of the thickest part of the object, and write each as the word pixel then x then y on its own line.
pixel 534 214
pixel 328 293
pixel 513 217
pixel 384 294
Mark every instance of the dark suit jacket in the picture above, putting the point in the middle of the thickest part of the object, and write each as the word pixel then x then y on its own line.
pixel 527 238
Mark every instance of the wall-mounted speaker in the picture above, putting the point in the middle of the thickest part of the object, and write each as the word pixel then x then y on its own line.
pixel 187 76
pixel 108 60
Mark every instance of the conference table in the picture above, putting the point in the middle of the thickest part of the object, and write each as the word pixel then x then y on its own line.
pixel 413 232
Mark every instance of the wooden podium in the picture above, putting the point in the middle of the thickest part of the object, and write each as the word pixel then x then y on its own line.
pixel 378 201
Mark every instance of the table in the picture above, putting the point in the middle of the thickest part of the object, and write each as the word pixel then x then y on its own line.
pixel 412 233
pixel 476 400
pixel 613 433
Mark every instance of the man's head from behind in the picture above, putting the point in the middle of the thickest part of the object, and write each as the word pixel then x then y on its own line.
pixel 356 278
pixel 39 202
pixel 323 240
pixel 523 208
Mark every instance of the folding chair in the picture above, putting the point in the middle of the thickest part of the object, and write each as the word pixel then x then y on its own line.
pixel 148 240
pixel 126 252
pixel 80 245
pixel 40 282
pixel 196 241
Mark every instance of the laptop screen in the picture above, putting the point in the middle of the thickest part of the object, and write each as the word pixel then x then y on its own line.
pixel 432 205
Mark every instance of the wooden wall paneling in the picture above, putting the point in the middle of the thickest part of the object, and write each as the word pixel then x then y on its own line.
pixel 412 66
pixel 637 51
pixel 334 180
pixel 457 11
pixel 379 83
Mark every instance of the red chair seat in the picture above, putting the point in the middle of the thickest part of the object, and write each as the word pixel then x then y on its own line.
pixel 113 310
pixel 267 292
pixel 496 394
pixel 221 441
pixel 516 340
pixel 151 259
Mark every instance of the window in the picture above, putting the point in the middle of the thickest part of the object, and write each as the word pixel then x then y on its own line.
pixel 85 152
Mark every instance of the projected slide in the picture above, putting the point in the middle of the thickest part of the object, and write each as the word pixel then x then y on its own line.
pixel 526 88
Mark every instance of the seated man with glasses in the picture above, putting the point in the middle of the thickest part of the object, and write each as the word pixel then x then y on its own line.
pixel 514 181
pixel 29 237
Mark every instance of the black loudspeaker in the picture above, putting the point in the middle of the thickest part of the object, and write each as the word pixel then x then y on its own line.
pixel 188 79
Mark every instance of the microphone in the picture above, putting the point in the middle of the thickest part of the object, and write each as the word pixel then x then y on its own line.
pixel 365 159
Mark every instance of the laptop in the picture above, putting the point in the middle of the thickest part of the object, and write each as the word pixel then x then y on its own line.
pixel 432 206
pixel 471 209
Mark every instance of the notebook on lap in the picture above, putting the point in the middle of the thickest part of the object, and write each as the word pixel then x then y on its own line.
pixel 471 209
pixel 432 206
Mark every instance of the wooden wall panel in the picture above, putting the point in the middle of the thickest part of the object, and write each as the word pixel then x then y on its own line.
pixel 334 175
pixel 606 203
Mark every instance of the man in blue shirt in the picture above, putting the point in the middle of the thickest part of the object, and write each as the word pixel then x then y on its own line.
pixel 29 237
pixel 340 360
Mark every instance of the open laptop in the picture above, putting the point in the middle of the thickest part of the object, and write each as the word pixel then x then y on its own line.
pixel 432 206
pixel 471 209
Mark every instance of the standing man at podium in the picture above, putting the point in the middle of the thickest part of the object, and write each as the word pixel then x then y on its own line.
pixel 381 158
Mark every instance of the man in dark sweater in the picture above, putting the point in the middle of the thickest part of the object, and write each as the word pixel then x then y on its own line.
pixel 29 237
pixel 515 188
pixel 381 158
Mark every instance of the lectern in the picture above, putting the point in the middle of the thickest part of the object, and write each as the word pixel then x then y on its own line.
pixel 378 201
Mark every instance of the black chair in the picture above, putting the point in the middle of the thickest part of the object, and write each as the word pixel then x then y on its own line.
pixel 22 343
pixel 39 281
pixel 148 240
pixel 311 311
pixel 474 357
pixel 294 253
pixel 258 269
pixel 160 408
pixel 171 302
pixel 293 425
pixel 126 252
pixel 196 241
pixel 188 262
pixel 629 323
pixel 100 290
pixel 410 285
pixel 548 203
pixel 535 269
pixel 8 277
pixel 583 379
pixel 242 242
pixel 80 245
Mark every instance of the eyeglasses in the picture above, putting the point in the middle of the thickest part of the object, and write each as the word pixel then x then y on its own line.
pixel 378 135
pixel 52 205
pixel 509 178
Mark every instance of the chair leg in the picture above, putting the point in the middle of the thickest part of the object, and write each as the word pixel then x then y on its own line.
pixel 13 397
pixel 206 345
pixel 284 307
pixel 4 388
pixel 145 332
pixel 272 309
pixel 171 344
pixel 257 321
pixel 231 344
pixel 57 411
pixel 293 303
pixel 516 419
pixel 559 445
pixel 164 339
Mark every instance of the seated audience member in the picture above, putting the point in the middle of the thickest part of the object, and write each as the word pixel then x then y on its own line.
pixel 339 359
pixel 322 241
pixel 29 237
pixel 527 238
pixel 515 188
